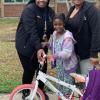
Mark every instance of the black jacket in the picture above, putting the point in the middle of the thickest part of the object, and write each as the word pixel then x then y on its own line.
pixel 88 36
pixel 30 30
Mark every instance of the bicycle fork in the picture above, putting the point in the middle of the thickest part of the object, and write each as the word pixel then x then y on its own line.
pixel 33 91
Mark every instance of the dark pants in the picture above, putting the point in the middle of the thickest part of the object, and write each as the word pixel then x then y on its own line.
pixel 30 67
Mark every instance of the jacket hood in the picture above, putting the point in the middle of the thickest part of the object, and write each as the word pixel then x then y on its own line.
pixel 33 1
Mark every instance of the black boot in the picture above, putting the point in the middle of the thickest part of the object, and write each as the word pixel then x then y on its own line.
pixel 25 93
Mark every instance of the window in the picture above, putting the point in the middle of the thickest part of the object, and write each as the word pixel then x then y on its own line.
pixel 61 1
pixel 9 0
pixel 16 1
pixel 90 0
pixel 64 1
pixel 19 0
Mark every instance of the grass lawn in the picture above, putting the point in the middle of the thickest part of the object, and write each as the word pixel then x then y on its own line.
pixel 8 25
pixel 10 67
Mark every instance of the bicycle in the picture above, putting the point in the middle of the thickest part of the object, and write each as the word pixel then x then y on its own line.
pixel 37 94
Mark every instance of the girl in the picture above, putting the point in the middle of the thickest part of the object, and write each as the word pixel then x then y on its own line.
pixel 63 57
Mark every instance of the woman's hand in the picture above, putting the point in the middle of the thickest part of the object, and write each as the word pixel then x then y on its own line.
pixel 40 55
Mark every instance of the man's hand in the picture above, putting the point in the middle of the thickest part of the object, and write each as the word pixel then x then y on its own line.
pixel 40 55
pixel 99 57
pixel 94 61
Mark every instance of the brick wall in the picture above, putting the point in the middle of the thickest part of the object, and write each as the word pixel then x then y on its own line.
pixel 13 10
pixel 61 7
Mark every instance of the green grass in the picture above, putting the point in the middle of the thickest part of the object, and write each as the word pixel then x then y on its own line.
pixel 10 67
pixel 9 21
pixel 8 26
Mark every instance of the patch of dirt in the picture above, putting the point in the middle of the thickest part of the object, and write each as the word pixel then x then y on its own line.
pixel 7 33
pixel 8 37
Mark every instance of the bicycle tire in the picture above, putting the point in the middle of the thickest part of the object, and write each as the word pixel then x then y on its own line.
pixel 19 88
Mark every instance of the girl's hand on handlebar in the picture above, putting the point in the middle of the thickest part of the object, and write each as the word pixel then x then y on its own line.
pixel 50 58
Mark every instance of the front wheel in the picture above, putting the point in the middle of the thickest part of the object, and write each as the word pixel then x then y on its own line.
pixel 18 93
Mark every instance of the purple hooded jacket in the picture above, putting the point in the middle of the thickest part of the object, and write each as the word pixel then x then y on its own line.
pixel 67 54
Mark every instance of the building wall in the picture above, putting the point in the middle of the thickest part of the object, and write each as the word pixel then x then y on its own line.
pixel 13 10
pixel 61 7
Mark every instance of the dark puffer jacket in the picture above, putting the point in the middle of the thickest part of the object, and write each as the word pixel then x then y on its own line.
pixel 30 30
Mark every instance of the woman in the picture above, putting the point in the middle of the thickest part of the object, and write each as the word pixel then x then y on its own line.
pixel 35 23
pixel 83 20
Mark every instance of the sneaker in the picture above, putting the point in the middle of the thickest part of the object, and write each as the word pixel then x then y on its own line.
pixel 25 93
pixel 24 97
